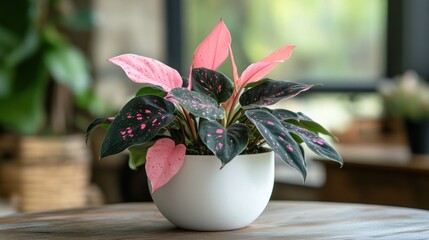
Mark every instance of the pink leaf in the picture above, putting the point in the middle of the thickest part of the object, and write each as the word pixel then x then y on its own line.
pixel 213 50
pixel 260 69
pixel 234 67
pixel 163 161
pixel 147 70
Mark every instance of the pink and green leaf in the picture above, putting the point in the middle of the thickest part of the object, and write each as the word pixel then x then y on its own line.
pixel 279 139
pixel 163 161
pixel 138 122
pixel 212 83
pixel 257 71
pixel 213 50
pixel 147 70
pixel 317 144
pixel 270 92
pixel 199 104
pixel 225 143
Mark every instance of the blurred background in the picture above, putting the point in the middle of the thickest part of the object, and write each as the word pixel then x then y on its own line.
pixel 371 57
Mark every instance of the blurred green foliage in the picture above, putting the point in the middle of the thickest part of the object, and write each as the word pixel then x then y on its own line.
pixel 34 50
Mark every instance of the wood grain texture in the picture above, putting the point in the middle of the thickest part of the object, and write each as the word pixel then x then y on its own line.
pixel 281 220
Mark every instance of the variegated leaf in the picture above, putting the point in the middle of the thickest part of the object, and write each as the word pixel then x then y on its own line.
pixel 137 122
pixel 270 92
pixel 317 144
pixel 225 143
pixel 279 139
pixel 198 104
pixel 212 83
pixel 163 161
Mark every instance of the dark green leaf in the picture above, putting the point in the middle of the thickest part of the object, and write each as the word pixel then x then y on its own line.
pixel 138 154
pixel 254 84
pixel 185 82
pixel 317 144
pixel 212 83
pixel 301 120
pixel 151 90
pixel 270 92
pixel 197 103
pixel 224 143
pixel 105 122
pixel 137 122
pixel 278 137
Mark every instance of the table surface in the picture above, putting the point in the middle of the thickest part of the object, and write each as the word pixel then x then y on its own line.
pixel 281 219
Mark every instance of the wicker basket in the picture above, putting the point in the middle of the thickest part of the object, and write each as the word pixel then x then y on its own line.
pixel 45 172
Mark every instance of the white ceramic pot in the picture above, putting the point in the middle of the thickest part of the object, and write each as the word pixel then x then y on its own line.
pixel 204 197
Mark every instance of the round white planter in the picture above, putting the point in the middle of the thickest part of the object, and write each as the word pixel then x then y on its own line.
pixel 204 197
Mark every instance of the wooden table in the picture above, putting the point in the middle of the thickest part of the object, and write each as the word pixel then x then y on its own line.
pixel 283 220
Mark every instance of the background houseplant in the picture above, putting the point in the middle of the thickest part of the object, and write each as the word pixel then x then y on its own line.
pixel 209 114
pixel 407 98
pixel 45 87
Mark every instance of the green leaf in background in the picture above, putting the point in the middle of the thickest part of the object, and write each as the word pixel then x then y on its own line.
pixel 151 90
pixel 69 67
pixel 138 154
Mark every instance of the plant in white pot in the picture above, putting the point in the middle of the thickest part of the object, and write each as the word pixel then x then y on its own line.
pixel 209 142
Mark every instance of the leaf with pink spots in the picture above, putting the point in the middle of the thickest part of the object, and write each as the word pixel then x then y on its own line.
pixel 317 144
pixel 270 92
pixel 302 120
pixel 147 70
pixel 163 161
pixel 137 122
pixel 212 83
pixel 199 104
pixel 279 139
pixel 225 143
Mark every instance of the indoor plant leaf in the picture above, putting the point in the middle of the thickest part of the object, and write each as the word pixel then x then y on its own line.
pixel 147 70
pixel 212 83
pixel 317 144
pixel 270 92
pixel 105 122
pixel 138 154
pixel 278 137
pixel 137 122
pixel 213 50
pixel 199 104
pixel 225 143
pixel 163 160
pixel 257 71
pixel 151 90
pixel 301 120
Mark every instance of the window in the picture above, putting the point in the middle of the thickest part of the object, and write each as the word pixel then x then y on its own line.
pixel 338 42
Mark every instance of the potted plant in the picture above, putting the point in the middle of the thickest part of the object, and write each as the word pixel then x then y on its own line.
pixel 407 97
pixel 45 85
pixel 208 142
